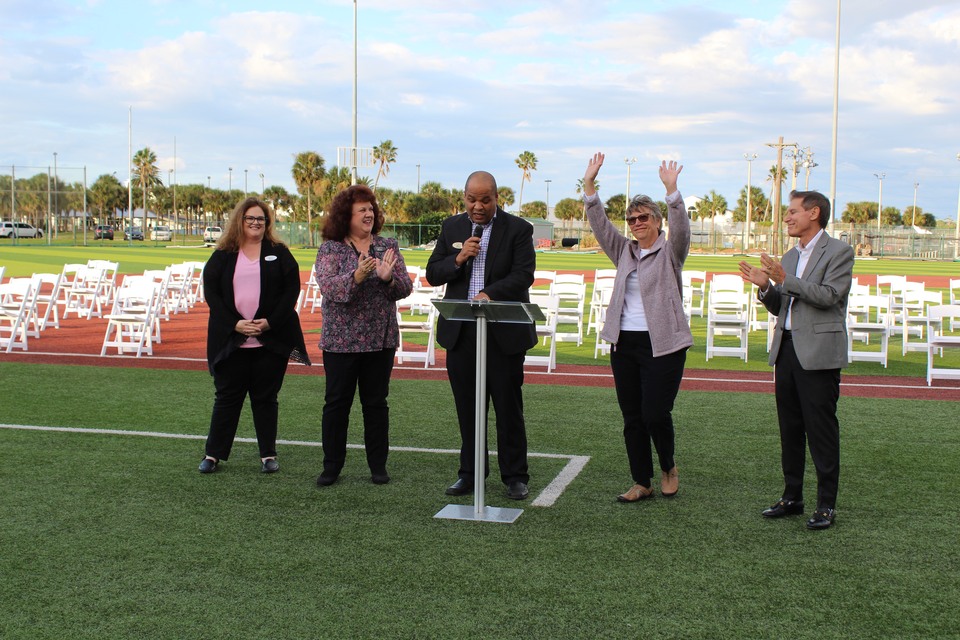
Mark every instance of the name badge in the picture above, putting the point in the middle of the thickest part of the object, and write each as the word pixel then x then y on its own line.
pixel 270 258
pixel 458 245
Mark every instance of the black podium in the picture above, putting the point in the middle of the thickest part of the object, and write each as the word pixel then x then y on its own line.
pixel 482 312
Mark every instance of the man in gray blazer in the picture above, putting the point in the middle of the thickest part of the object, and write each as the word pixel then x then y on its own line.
pixel 809 349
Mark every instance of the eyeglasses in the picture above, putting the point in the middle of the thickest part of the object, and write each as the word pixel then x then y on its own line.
pixel 254 220
pixel 642 217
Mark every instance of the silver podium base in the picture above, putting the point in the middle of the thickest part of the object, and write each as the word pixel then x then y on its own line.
pixel 487 514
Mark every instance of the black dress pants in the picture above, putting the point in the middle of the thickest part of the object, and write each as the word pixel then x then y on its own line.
pixel 647 387
pixel 505 388
pixel 255 372
pixel 345 374
pixel 807 412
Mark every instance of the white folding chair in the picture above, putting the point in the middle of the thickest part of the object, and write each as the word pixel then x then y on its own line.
pixel 543 280
pixel 546 329
pixel 16 301
pixel 697 280
pixel 311 293
pixel 47 296
pixel 427 325
pixel 602 279
pixel 109 284
pixel 728 314
pixel 601 345
pixel 869 316
pixel 571 290
pixel 131 322
pixel 914 319
pixel 940 338
pixel 196 292
pixel 893 286
pixel 162 278
pixel 86 297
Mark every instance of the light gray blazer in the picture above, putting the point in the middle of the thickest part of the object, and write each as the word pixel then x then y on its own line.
pixel 819 304
pixel 659 272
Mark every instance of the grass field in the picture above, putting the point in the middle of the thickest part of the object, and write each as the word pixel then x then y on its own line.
pixel 109 535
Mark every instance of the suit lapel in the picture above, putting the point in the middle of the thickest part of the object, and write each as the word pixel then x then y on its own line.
pixel 496 240
pixel 816 254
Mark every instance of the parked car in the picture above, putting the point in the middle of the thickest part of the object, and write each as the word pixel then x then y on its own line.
pixel 19 230
pixel 103 232
pixel 136 233
pixel 161 232
pixel 212 234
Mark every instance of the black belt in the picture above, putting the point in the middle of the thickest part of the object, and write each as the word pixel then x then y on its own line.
pixel 787 334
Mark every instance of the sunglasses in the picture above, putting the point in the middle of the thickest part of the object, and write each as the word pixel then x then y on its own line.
pixel 254 220
pixel 642 217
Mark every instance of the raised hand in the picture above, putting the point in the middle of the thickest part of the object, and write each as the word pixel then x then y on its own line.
pixel 385 265
pixel 668 174
pixel 593 168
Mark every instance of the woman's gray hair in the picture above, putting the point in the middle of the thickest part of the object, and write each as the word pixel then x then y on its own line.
pixel 644 204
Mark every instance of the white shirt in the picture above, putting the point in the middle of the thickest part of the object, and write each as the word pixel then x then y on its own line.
pixel 805 253
pixel 633 317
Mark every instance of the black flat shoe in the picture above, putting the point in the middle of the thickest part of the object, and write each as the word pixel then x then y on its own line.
pixel 325 479
pixel 208 465
pixel 782 508
pixel 822 518
pixel 460 488
pixel 517 490
pixel 380 478
pixel 270 465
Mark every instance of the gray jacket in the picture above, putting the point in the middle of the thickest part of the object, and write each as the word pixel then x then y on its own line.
pixel 658 271
pixel 819 305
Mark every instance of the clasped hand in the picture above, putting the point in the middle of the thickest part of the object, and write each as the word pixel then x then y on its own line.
pixel 382 267
pixel 769 269
pixel 254 327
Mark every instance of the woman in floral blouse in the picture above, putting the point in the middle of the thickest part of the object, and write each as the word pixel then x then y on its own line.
pixel 361 276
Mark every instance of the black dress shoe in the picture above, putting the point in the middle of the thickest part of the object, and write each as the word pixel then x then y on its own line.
pixel 270 465
pixel 381 477
pixel 460 488
pixel 208 465
pixel 517 490
pixel 326 479
pixel 822 518
pixel 783 507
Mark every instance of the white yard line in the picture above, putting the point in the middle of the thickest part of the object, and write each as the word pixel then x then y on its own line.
pixel 546 498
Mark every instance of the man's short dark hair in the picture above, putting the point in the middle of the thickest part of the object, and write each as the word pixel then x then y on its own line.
pixel 811 199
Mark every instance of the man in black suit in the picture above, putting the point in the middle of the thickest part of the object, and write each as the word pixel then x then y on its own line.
pixel 487 254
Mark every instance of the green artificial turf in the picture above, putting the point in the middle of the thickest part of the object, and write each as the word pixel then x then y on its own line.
pixel 119 536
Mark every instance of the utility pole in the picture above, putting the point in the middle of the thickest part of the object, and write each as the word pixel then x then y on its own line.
pixel 776 246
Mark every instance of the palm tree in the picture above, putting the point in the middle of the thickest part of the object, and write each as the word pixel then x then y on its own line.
pixel 527 163
pixel 506 197
pixel 715 202
pixel 583 205
pixel 147 175
pixel 385 154
pixel 308 172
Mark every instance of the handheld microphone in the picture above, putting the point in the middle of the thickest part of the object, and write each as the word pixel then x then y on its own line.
pixel 477 233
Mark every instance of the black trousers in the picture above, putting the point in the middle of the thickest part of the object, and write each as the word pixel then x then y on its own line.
pixel 505 388
pixel 647 387
pixel 345 374
pixel 255 372
pixel 807 411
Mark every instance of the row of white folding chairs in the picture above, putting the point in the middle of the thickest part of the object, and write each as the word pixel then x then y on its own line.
pixel 16 302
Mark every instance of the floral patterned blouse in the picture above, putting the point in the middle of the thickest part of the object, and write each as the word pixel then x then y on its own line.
pixel 359 317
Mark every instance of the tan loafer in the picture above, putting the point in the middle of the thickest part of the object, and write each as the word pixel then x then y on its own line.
pixel 669 483
pixel 635 493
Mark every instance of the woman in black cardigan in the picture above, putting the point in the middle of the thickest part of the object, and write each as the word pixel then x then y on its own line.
pixel 251 284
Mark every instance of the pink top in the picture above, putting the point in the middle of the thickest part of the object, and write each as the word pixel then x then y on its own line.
pixel 246 292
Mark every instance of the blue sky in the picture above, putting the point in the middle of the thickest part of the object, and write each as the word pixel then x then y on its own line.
pixel 465 85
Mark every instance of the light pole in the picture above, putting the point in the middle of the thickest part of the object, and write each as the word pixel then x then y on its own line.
pixel 230 179
pixel 915 186
pixel 208 183
pixel 749 157
pixel 262 187
pixel 956 230
pixel 880 176
pixel 56 197
pixel 245 190
pixel 353 168
pixel 808 164
pixel 170 185
pixel 548 181
pixel 418 179
pixel 626 200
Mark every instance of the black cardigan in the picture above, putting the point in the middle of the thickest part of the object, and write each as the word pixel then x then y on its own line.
pixel 279 289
